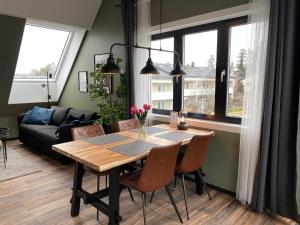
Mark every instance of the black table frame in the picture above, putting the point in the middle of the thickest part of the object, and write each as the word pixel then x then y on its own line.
pixel 112 209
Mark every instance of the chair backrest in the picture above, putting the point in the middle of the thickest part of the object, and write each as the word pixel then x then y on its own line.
pixel 87 132
pixel 123 125
pixel 159 168
pixel 195 153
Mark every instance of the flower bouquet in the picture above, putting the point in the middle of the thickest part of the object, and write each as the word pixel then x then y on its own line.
pixel 141 116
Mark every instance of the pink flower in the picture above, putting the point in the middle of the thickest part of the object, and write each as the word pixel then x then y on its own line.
pixel 147 107
pixel 141 111
pixel 133 110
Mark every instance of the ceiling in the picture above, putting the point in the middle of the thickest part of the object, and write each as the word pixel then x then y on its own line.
pixel 80 13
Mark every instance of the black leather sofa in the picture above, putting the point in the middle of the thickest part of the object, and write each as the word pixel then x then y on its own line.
pixel 42 137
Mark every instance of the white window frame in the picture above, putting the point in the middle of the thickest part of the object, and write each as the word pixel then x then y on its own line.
pixel 29 90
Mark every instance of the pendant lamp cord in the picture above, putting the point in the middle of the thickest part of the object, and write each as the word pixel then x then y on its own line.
pixel 136 22
pixel 160 23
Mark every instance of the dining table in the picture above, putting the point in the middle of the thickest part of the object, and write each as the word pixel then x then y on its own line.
pixel 110 153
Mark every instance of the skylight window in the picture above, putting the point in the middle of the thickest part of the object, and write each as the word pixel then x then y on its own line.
pixel 41 51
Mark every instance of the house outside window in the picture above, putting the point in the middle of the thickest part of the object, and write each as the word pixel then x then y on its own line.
pixel 214 57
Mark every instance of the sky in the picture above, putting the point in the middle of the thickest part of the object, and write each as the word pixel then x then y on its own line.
pixel 40 46
pixel 199 46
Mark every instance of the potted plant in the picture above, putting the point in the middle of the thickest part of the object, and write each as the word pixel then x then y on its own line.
pixel 110 107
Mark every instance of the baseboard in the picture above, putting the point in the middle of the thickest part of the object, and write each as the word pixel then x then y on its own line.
pixel 219 189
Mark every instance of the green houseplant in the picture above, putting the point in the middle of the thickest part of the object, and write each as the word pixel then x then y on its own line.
pixel 110 107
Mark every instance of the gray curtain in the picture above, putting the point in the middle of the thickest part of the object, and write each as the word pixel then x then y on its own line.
pixel 275 181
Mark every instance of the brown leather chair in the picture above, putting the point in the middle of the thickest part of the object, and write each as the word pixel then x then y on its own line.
pixel 87 132
pixel 124 125
pixel 156 174
pixel 193 160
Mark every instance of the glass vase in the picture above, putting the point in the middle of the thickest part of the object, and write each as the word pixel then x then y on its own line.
pixel 142 130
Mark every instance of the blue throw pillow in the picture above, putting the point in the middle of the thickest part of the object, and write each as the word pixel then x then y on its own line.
pixel 37 115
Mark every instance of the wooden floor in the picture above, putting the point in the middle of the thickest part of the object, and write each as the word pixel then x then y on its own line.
pixel 43 199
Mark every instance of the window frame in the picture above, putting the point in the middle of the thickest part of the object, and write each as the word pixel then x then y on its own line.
pixel 222 57
pixel 62 55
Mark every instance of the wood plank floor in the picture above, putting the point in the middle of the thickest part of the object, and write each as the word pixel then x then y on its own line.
pixel 43 199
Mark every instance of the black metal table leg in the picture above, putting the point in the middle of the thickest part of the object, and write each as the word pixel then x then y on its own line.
pixel 5 149
pixel 199 182
pixel 114 198
pixel 77 185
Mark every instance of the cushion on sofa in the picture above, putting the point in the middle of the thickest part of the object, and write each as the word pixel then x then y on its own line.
pixel 38 115
pixel 59 115
pixel 31 132
pixel 77 113
pixel 47 137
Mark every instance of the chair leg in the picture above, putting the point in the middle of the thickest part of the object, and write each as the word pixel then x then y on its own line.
pixel 144 203
pixel 175 181
pixel 184 195
pixel 204 184
pixel 173 203
pixel 152 196
pixel 206 190
pixel 98 189
pixel 131 195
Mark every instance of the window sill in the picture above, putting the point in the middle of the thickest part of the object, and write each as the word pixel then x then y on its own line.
pixel 214 125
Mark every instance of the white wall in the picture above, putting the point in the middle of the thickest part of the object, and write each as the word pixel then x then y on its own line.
pixel 79 13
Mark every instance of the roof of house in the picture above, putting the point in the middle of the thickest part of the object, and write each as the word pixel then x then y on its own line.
pixel 192 71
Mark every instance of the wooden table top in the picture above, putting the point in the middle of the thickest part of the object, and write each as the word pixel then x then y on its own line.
pixel 100 158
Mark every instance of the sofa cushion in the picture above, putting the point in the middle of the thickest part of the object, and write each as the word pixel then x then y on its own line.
pixel 77 113
pixel 59 115
pixel 34 127
pixel 47 137
pixel 32 133
pixel 38 115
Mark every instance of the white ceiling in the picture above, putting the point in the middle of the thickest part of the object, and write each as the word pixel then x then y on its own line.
pixel 79 13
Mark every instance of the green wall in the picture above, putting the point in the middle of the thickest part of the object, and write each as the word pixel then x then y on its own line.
pixel 221 164
pixel 179 9
pixel 10 41
pixel 107 29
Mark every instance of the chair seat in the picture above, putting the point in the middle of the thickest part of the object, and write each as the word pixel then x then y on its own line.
pixel 131 179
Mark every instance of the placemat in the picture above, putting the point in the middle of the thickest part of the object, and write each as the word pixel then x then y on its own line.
pixel 176 136
pixel 106 139
pixel 134 148
pixel 151 130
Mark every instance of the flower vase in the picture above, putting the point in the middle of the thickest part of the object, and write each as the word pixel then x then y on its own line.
pixel 142 130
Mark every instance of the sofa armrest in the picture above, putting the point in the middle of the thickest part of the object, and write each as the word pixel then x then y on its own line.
pixel 64 132
pixel 21 117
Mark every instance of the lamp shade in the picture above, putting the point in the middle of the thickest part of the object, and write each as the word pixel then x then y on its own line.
pixel 149 68
pixel 178 71
pixel 111 67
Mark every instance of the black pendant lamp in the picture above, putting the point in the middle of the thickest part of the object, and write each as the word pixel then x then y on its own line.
pixel 177 71
pixel 111 67
pixel 149 68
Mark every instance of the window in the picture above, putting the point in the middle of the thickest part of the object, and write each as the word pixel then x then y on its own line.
pixel 162 84
pixel 236 70
pixel 161 87
pixel 214 57
pixel 40 52
pixel 200 50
